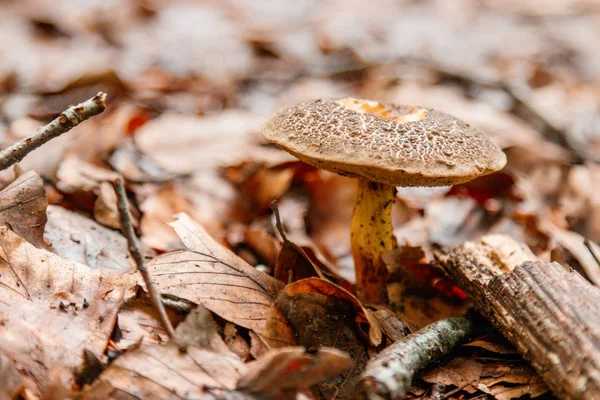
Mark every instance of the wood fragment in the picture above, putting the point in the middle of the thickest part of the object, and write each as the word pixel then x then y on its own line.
pixel 134 249
pixel 66 121
pixel 551 315
pixel 391 372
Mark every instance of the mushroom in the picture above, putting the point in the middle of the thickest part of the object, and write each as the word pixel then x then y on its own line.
pixel 383 145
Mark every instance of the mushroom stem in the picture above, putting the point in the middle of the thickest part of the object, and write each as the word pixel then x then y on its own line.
pixel 371 235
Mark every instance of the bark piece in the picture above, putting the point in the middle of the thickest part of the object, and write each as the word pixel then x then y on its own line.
pixel 551 315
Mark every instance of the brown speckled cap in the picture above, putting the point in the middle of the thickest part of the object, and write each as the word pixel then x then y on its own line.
pixel 387 143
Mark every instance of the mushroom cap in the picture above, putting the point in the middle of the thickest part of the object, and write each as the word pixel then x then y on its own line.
pixel 392 144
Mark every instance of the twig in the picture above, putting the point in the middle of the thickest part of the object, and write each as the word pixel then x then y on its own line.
pixel 391 372
pixel 66 121
pixel 134 249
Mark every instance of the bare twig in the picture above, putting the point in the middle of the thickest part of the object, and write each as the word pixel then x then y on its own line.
pixel 66 121
pixel 389 375
pixel 134 249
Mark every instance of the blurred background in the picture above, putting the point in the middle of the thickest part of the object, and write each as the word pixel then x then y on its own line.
pixel 190 82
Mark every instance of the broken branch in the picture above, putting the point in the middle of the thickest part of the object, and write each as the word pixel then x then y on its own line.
pixel 391 372
pixel 551 315
pixel 134 249
pixel 66 121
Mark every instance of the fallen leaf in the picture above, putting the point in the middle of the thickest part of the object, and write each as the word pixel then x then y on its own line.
pixel 75 175
pixel 83 240
pixel 319 320
pixel 326 288
pixel 105 207
pixel 282 373
pixel 138 321
pixel 209 274
pixel 205 196
pixel 164 372
pixel 198 143
pixel 52 309
pixel 135 166
pixel 200 330
pixel 23 207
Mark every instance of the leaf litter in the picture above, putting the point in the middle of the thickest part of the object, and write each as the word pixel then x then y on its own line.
pixel 189 86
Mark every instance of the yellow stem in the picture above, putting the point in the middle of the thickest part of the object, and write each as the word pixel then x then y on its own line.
pixel 371 235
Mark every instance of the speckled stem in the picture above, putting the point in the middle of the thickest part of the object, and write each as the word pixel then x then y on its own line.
pixel 371 235
pixel 66 121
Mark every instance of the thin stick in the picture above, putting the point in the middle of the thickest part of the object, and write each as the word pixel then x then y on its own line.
pixel 66 121
pixel 134 249
pixel 391 372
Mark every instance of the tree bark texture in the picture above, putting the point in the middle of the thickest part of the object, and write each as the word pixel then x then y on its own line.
pixel 551 315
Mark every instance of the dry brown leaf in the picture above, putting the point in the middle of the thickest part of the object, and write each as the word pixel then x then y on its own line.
pixel 138 321
pixel 493 343
pixel 209 274
pixel 75 175
pixel 23 207
pixel 199 329
pixel 461 372
pixel 135 166
pixel 205 196
pixel 266 185
pixel 52 309
pixel 511 381
pixel 164 372
pixel 320 320
pixel 83 240
pixel 281 373
pixel 183 144
pixel 574 242
pixel 105 207
pixel 321 286
pixel 235 342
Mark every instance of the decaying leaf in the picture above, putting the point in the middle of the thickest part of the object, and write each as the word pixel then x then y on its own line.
pixel 209 274
pixel 52 309
pixel 281 373
pixel 503 380
pixel 75 174
pixel 23 207
pixel 83 240
pixel 326 320
pixel 139 321
pixel 164 372
pixel 205 196
pixel 324 287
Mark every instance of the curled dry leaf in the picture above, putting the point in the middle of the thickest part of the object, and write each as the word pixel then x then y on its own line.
pixel 23 207
pixel 52 309
pixel 209 274
pixel 83 240
pixel 321 286
pixel 281 373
